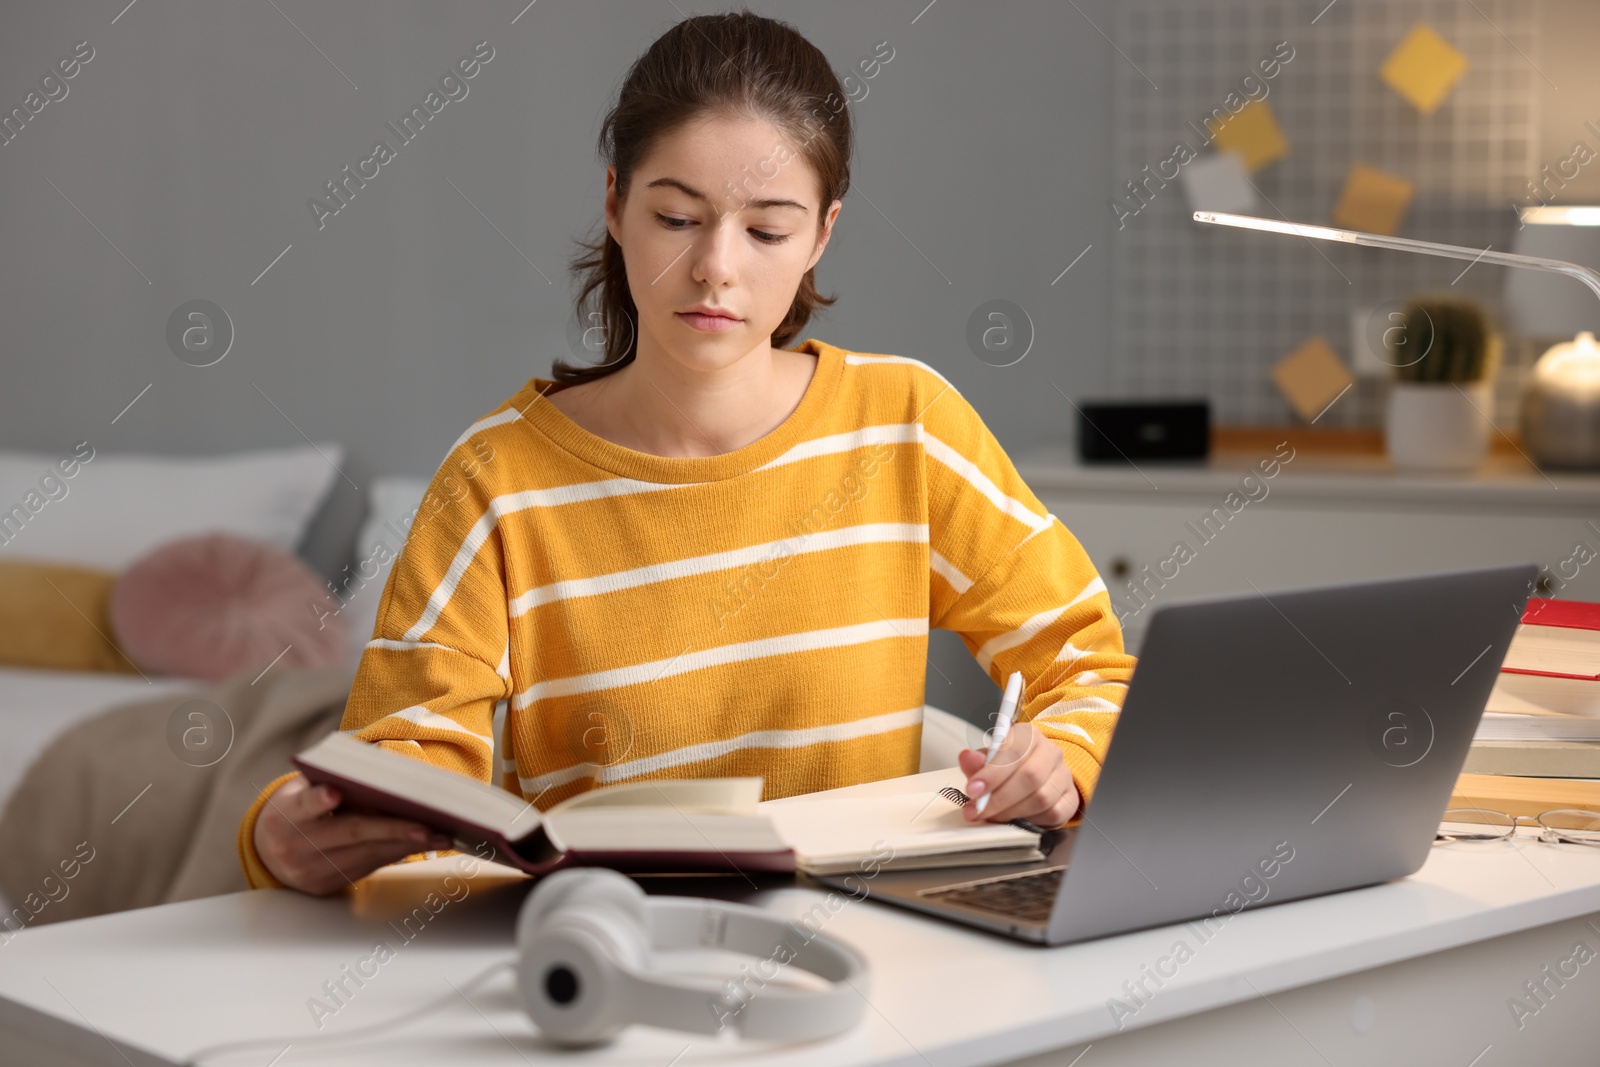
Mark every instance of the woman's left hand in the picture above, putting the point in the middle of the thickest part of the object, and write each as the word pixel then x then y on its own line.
pixel 1028 779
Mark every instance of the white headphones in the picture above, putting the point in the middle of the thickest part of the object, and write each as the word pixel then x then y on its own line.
pixel 584 942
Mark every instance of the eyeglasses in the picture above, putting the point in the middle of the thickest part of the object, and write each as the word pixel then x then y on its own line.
pixel 1571 826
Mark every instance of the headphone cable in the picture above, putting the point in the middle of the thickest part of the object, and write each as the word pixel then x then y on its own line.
pixel 360 1033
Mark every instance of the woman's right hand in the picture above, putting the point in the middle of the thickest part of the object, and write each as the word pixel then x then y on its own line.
pixel 308 847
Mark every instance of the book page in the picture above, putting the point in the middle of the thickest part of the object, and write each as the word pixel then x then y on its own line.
pixel 831 830
pixel 739 795
pixel 639 829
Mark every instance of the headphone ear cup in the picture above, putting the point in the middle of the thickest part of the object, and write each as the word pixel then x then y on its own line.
pixel 580 943
pixel 590 884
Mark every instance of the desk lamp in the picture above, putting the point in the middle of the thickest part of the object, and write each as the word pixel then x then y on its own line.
pixel 1561 424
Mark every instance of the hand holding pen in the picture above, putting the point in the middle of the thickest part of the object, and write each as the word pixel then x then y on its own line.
pixel 1023 775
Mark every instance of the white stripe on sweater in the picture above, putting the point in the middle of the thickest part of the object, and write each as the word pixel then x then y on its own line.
pixel 499 418
pixel 1012 638
pixel 949 571
pixel 432 720
pixel 861 534
pixel 906 433
pixel 1071 653
pixel 1096 584
pixel 1062 707
pixel 856 359
pixel 894 433
pixel 980 481
pixel 1073 728
pixel 1089 679
pixel 708 750
pixel 506 505
pixel 785 644
pixel 405 646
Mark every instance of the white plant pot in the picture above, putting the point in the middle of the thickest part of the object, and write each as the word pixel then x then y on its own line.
pixel 1438 425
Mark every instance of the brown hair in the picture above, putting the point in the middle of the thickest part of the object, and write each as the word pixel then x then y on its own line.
pixel 736 63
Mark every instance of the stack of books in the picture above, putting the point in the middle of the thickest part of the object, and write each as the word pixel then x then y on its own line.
pixel 1553 664
pixel 1538 744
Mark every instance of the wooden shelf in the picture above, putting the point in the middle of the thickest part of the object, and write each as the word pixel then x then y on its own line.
pixel 1332 440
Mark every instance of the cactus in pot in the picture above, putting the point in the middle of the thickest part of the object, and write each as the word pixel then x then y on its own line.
pixel 1444 338
pixel 1445 353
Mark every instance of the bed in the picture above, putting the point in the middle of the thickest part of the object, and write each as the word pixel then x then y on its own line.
pixel 85 510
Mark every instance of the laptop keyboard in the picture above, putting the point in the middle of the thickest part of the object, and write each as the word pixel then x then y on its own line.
pixel 1029 895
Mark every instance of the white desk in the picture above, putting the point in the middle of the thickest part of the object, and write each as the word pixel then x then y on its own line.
pixel 1364 518
pixel 1415 971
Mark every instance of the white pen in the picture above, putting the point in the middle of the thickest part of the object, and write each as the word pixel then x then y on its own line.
pixel 1002 724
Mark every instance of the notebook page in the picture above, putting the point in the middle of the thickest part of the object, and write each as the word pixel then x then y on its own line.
pixel 831 830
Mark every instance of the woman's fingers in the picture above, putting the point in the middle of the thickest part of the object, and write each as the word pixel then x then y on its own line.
pixel 999 777
pixel 354 828
pixel 1027 779
pixel 298 801
pixel 328 872
pixel 1057 799
pixel 341 848
pixel 306 807
pixel 306 847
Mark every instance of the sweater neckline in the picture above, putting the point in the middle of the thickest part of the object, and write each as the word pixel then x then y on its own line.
pixel 648 467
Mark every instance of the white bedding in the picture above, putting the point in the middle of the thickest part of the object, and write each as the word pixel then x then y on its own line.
pixel 270 495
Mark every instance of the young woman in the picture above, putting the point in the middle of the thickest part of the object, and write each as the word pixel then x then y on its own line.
pixel 712 554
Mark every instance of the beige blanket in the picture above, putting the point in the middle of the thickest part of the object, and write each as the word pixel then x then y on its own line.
pixel 122 811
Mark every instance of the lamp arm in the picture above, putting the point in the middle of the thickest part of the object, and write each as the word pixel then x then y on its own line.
pixel 1583 274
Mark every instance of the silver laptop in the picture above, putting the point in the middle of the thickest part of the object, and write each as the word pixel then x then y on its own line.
pixel 1271 747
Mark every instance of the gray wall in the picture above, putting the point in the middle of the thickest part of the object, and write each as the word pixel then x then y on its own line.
pixel 195 136
pixel 193 139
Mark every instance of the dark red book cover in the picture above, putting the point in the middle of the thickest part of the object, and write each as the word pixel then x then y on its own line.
pixel 535 853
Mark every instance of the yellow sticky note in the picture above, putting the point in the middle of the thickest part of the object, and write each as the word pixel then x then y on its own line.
pixel 1423 68
pixel 1311 377
pixel 1372 200
pixel 1253 133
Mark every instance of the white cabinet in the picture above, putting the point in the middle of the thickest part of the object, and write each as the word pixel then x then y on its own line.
pixel 1162 533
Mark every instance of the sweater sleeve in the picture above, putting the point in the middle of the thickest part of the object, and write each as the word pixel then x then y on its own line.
pixel 1020 589
pixel 438 662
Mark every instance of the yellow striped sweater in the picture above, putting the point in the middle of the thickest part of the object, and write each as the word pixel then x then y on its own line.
pixel 765 612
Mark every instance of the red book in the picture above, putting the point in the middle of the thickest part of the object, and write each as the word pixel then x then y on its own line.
pixel 1557 638
pixel 685 825
pixel 1572 614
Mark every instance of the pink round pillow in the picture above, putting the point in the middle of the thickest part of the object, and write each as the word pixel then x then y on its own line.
pixel 214 605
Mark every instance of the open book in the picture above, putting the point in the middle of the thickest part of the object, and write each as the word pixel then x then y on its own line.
pixel 681 825
pixel 677 825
